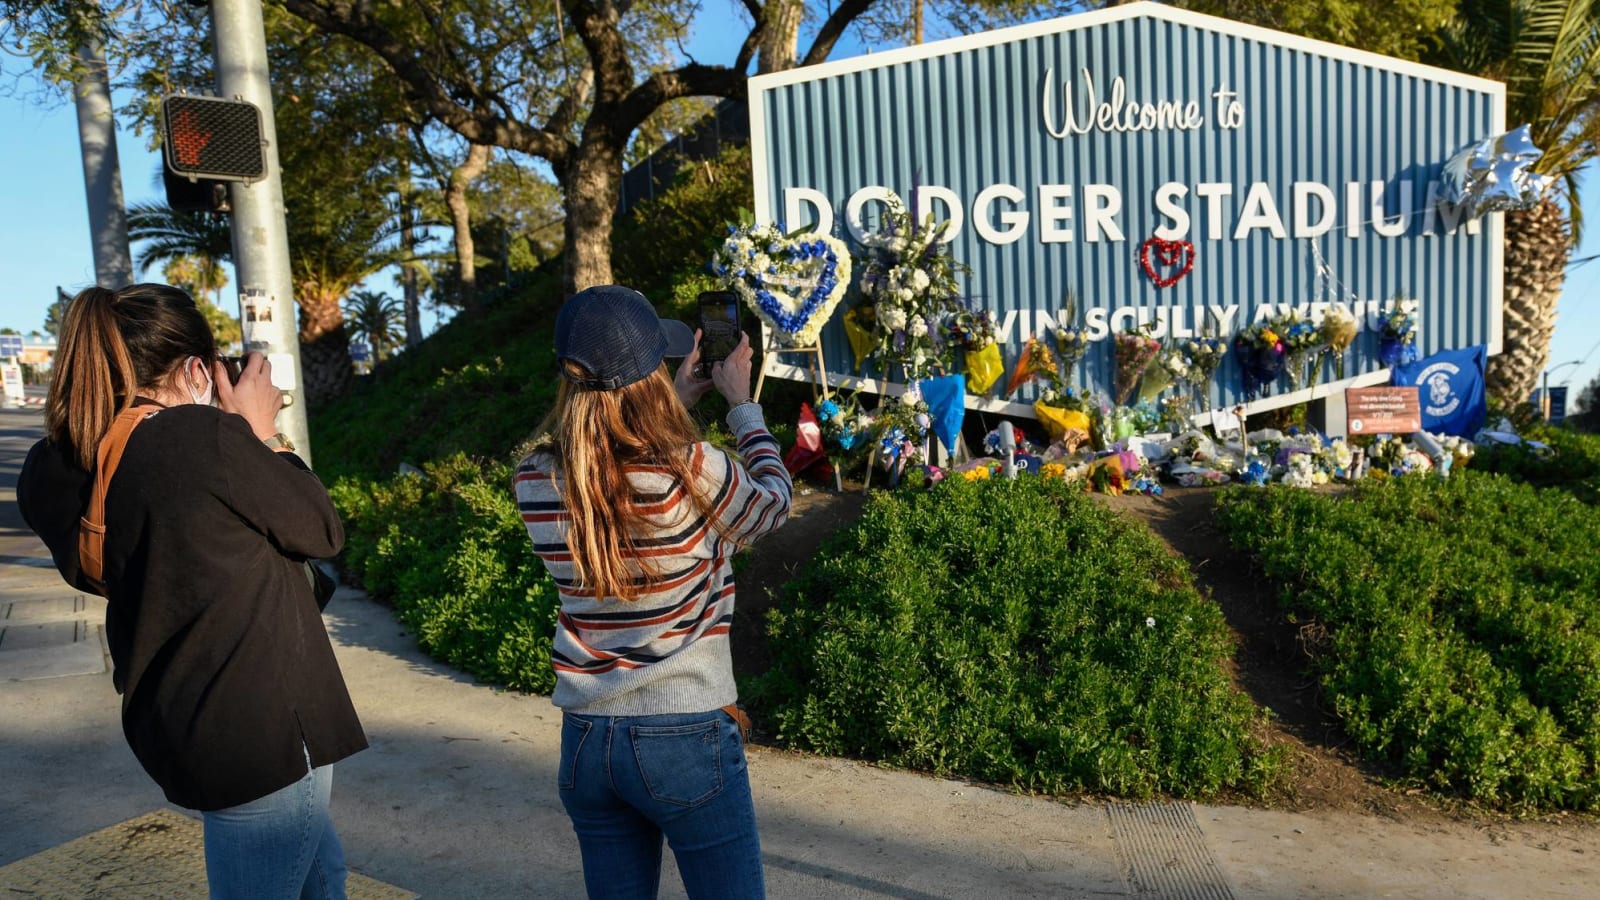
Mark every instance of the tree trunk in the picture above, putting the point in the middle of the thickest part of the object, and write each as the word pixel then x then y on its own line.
pixel 592 185
pixel 412 300
pixel 780 36
pixel 1538 244
pixel 455 197
pixel 102 175
pixel 324 346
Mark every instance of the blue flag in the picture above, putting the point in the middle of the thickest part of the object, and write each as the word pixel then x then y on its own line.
pixel 1451 388
pixel 946 397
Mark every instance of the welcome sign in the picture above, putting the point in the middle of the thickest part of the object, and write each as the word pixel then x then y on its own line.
pixel 1143 165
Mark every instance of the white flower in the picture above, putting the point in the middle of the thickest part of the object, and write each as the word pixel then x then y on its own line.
pixel 918 327
pixel 892 318
pixel 912 396
pixel 1150 622
pixel 919 280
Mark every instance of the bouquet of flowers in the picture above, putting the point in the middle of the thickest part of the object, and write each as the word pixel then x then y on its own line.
pixel 1064 415
pixel 1036 361
pixel 1204 356
pixel 973 330
pixel 1071 341
pixel 1261 353
pixel 1398 345
pixel 845 429
pixel 910 283
pixel 902 433
pixel 792 283
pixel 1302 343
pixel 1338 331
pixel 1135 348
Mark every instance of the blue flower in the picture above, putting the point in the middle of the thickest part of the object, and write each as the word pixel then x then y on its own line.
pixel 827 409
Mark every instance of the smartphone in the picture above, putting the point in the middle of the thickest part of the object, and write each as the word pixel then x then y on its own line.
pixel 719 329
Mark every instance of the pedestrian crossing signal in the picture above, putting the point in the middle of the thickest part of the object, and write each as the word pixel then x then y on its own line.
pixel 205 137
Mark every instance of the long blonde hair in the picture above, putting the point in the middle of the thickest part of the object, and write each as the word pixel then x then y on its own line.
pixel 595 436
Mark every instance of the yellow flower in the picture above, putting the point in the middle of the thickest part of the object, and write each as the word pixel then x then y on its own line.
pixel 977 474
pixel 1269 336
pixel 1053 470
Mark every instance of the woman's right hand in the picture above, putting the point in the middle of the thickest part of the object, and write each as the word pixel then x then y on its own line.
pixel 254 397
pixel 732 375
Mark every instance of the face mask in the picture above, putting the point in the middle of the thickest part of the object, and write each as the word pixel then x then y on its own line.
pixel 205 397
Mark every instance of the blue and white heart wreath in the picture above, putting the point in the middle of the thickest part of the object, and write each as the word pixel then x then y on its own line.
pixel 792 282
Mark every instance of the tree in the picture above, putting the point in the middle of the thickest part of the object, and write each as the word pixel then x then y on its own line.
pixel 493 72
pixel 1548 54
pixel 203 277
pixel 1401 28
pixel 379 319
pixel 1584 413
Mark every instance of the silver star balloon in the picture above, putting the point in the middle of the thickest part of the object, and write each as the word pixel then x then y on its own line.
pixel 1493 175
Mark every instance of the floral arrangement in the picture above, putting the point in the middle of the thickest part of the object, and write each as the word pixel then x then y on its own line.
pixel 1302 344
pixel 792 282
pixel 1261 354
pixel 1338 331
pixel 1135 348
pixel 971 329
pixel 910 284
pixel 1202 356
pixel 1398 344
pixel 1036 361
pixel 846 430
pixel 901 430
pixel 1071 340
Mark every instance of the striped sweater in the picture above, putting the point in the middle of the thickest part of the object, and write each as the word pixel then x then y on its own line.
pixel 667 650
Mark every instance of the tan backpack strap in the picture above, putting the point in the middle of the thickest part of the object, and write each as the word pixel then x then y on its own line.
pixel 92 526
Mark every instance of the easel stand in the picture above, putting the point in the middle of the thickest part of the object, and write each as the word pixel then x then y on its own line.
pixel 817 365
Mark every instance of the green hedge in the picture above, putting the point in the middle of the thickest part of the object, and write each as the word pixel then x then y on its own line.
pixel 998 630
pixel 448 549
pixel 1460 625
pixel 1573 463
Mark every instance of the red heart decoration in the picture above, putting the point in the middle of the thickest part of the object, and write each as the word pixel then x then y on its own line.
pixel 1170 253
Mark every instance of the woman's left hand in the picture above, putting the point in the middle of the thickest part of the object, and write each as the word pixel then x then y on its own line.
pixel 691 387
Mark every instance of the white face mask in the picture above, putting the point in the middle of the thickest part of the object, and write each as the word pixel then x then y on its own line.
pixel 205 397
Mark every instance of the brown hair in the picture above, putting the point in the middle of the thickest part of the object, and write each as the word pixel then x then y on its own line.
pixel 112 344
pixel 596 436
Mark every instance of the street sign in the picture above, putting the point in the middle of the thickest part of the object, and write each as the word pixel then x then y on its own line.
pixel 11 345
pixel 1383 410
pixel 360 352
pixel 205 137
pixel 1558 404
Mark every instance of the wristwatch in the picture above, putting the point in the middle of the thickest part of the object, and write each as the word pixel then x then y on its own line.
pixel 279 441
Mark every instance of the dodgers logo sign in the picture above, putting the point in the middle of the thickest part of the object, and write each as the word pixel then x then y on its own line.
pixel 1146 167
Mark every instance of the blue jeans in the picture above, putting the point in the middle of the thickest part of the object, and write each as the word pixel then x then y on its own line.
pixel 628 780
pixel 279 847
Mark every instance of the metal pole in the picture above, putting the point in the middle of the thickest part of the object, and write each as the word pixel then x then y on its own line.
pixel 102 177
pixel 1544 397
pixel 260 239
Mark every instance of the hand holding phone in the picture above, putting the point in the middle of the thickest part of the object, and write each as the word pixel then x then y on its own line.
pixel 719 329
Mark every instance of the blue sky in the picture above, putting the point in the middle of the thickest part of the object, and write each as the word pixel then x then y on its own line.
pixel 45 230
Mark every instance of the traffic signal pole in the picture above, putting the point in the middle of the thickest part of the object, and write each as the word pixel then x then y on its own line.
pixel 260 241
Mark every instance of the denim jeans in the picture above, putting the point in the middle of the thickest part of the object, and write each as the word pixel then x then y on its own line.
pixel 627 781
pixel 279 847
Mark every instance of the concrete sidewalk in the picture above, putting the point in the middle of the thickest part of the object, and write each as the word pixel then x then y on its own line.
pixel 456 798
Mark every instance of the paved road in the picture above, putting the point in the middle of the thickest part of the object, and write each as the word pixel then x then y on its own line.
pixel 456 798
pixel 46 629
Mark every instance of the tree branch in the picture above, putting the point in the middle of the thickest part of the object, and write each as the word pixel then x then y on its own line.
pixel 423 87
pixel 832 29
pixel 693 80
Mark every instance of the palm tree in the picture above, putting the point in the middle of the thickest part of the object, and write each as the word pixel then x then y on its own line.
pixel 1548 54
pixel 377 317
pixel 169 235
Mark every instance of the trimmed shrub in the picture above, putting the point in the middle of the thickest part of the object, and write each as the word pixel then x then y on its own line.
pixel 449 551
pixel 1573 465
pixel 1460 620
pixel 1014 632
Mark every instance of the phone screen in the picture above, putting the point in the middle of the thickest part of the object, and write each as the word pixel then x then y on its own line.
pixel 719 328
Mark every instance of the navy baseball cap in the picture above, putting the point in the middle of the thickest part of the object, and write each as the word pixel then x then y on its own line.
pixel 614 333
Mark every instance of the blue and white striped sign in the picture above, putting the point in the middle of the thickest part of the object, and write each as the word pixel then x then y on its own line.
pixel 1303 174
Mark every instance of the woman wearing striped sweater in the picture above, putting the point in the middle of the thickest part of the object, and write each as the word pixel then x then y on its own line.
pixel 637 520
